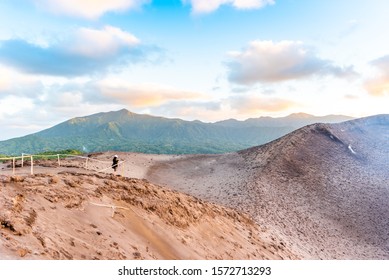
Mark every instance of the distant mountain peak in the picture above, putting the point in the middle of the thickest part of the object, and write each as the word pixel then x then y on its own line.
pixel 301 115
pixel 124 111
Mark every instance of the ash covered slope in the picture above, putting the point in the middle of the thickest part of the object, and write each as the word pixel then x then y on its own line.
pixel 65 216
pixel 323 188
pixel 329 184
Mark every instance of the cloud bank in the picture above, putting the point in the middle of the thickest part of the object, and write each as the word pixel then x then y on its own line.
pixel 269 62
pixel 143 95
pixel 87 51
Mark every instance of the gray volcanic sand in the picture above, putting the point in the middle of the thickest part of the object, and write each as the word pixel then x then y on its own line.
pixel 323 189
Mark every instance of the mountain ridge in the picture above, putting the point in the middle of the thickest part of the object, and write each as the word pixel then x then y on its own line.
pixel 127 131
pixel 296 120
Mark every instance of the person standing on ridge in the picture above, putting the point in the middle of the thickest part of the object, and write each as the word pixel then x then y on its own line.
pixel 115 163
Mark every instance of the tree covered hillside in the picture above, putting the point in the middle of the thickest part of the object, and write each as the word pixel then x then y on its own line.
pixel 126 131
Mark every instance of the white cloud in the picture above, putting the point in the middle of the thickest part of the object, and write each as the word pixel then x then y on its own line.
pixel 268 61
pixel 86 51
pixel 97 43
pixel 90 9
pixel 13 105
pixel 251 4
pixel 207 6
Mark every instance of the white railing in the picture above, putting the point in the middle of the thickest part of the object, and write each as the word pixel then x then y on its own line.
pixel 58 158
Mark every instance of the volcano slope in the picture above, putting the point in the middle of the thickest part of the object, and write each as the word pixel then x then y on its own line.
pixel 323 189
pixel 76 215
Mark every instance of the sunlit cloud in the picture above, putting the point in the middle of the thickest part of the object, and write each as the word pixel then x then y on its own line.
pixel 269 62
pixel 237 106
pixel 85 52
pixel 5 80
pixel 15 84
pixel 90 9
pixel 208 6
pixel 144 95
pixel 256 105
pixel 99 43
pixel 379 85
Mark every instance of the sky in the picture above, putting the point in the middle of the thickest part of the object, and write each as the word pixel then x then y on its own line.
pixel 205 60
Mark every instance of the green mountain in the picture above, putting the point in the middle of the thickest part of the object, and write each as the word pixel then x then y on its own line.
pixel 126 131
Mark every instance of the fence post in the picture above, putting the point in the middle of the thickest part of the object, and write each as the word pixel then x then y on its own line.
pixel 13 166
pixel 59 163
pixel 32 165
pixel 22 159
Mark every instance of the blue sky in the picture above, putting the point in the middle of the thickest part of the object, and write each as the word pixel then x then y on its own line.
pixel 192 59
